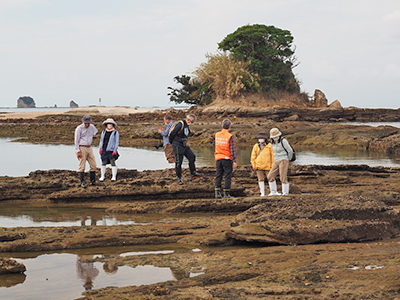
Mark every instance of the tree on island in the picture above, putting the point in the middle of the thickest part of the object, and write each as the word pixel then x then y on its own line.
pixel 255 58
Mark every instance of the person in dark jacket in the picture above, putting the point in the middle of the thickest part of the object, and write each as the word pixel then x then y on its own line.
pixel 108 148
pixel 178 137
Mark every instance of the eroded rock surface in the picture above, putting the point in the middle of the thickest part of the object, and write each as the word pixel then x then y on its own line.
pixel 315 219
pixel 9 266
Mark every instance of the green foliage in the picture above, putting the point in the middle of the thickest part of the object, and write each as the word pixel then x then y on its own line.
pixel 191 92
pixel 268 50
pixel 225 75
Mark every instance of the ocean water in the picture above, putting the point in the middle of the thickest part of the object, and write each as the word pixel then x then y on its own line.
pixel 22 158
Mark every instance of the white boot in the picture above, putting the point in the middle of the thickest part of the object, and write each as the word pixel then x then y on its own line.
pixel 285 189
pixel 103 173
pixel 114 171
pixel 273 189
pixel 262 188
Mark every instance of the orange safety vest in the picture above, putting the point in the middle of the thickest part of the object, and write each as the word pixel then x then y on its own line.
pixel 222 145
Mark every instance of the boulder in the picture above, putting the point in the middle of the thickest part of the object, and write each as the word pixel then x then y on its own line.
pixel 335 104
pixel 26 102
pixel 320 99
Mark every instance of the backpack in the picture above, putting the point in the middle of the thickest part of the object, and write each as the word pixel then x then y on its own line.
pixel 294 152
pixel 173 127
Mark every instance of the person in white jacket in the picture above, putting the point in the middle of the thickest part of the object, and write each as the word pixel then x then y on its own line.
pixel 283 153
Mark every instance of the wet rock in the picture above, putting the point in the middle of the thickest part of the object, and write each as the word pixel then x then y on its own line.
pixel 9 266
pixel 316 220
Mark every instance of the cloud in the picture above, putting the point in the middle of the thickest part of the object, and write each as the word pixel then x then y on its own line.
pixel 324 70
pixel 392 71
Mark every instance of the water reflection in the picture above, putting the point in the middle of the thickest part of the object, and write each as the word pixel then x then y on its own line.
pixel 26 214
pixel 62 157
pixel 66 275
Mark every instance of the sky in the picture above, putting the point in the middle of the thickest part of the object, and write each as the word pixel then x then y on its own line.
pixel 127 52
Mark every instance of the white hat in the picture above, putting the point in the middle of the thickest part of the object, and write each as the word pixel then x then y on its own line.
pixel 109 121
pixel 274 132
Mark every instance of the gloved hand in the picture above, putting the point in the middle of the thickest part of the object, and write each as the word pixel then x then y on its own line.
pixel 101 151
pixel 114 153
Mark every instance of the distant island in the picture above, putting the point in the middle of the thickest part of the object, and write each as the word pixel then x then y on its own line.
pixel 26 102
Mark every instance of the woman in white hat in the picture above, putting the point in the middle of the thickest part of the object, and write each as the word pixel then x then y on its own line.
pixel 283 153
pixel 109 141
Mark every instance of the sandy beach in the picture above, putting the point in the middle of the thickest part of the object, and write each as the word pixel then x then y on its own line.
pixel 91 110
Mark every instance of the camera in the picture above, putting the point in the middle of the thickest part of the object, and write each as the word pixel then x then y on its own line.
pixel 159 145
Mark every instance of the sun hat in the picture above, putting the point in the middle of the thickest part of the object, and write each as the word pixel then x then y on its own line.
pixel 274 132
pixel 109 121
pixel 262 135
pixel 86 119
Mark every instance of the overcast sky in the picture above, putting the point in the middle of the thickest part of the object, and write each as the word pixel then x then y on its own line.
pixel 127 52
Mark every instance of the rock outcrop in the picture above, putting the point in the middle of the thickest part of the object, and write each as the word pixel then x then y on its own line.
pixel 320 99
pixel 26 102
pixel 73 104
pixel 8 266
pixel 332 220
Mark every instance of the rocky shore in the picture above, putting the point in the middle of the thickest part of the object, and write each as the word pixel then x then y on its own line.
pixel 335 236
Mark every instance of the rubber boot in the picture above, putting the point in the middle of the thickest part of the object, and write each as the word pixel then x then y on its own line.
pixel 226 194
pixel 285 189
pixel 114 171
pixel 196 175
pixel 93 179
pixel 218 193
pixel 273 189
pixel 103 172
pixel 82 178
pixel 261 184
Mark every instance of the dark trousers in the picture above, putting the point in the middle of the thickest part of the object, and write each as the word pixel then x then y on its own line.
pixel 180 151
pixel 224 166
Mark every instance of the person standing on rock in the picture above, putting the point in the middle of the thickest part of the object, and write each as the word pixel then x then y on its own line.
pixel 225 158
pixel 84 134
pixel 109 141
pixel 169 152
pixel 283 153
pixel 262 158
pixel 178 137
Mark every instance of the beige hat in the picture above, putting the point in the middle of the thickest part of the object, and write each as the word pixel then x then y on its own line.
pixel 274 132
pixel 109 121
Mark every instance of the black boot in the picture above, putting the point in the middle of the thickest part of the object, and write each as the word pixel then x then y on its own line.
pixel 218 193
pixel 226 194
pixel 179 180
pixel 93 179
pixel 82 178
pixel 196 175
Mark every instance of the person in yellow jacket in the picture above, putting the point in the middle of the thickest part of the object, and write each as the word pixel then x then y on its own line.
pixel 262 158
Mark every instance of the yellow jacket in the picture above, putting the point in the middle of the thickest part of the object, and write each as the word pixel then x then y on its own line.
pixel 262 160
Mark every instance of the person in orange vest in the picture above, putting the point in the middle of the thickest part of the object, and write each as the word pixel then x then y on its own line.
pixel 225 157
